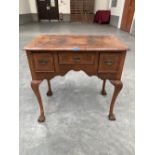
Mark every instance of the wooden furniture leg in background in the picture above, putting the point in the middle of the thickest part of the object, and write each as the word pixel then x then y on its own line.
pixel 118 86
pixel 49 92
pixel 35 87
pixel 103 88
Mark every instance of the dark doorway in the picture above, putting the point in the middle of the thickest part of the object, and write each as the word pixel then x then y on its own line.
pixel 48 9
pixel 128 13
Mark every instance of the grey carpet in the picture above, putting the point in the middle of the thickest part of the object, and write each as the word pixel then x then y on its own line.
pixel 76 114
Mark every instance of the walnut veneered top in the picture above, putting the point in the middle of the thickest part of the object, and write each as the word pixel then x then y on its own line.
pixel 76 43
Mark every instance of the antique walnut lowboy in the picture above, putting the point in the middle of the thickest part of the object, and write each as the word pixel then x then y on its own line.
pixel 51 55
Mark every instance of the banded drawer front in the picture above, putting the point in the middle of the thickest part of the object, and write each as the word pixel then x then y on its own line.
pixel 43 62
pixel 76 58
pixel 109 62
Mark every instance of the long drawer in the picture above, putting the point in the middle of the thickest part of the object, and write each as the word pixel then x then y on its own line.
pixel 76 58
pixel 85 61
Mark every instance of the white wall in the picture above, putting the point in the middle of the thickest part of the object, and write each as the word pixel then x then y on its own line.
pixel 118 10
pixel 101 5
pixel 64 6
pixel 24 7
pixel 33 5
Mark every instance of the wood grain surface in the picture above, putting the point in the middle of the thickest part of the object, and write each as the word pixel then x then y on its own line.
pixel 76 43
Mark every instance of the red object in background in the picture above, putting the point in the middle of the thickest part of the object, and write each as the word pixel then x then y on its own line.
pixel 102 16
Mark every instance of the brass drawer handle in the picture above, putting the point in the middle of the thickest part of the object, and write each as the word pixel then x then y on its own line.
pixel 76 59
pixel 43 61
pixel 109 62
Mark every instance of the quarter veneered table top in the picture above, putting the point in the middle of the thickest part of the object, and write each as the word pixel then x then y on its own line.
pixel 76 43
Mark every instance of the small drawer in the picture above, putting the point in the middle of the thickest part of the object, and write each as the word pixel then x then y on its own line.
pixel 76 58
pixel 109 62
pixel 43 62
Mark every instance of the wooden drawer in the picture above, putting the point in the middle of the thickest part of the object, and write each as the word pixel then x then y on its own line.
pixel 109 62
pixel 76 58
pixel 43 62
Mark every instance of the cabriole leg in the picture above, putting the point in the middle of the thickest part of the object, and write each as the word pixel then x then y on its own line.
pixel 103 88
pixel 35 87
pixel 118 86
pixel 49 92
